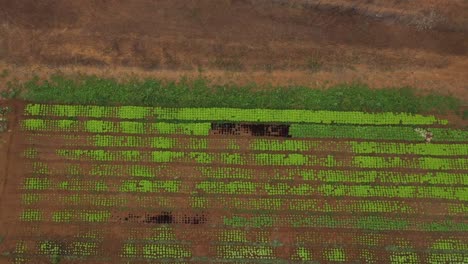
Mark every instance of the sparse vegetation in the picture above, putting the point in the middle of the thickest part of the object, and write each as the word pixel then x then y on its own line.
pixel 228 64
pixel 4 73
pixel 313 65
pixel 426 21
pixel 13 89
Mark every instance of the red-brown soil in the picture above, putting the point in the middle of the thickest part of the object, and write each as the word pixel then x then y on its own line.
pixel 421 43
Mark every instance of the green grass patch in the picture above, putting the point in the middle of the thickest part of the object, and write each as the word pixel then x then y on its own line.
pixel 200 92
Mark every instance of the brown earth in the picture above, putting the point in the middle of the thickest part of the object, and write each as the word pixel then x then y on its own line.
pixel 421 43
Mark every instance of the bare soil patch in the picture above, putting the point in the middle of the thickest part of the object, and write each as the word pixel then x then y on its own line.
pixel 306 42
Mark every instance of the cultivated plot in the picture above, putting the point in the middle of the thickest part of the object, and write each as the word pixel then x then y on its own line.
pixel 127 184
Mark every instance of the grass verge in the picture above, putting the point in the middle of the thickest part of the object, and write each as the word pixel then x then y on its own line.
pixel 85 89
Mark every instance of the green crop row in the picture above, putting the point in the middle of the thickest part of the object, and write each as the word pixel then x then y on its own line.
pixel 381 176
pixel 374 132
pixel 30 153
pixel 34 251
pixel 127 141
pixel 361 206
pixel 150 186
pixel 242 187
pixel 101 186
pixel 177 253
pixel 239 204
pixel 436 258
pixel 99 126
pixel 76 249
pixel 101 155
pixel 415 163
pixel 449 245
pixel 246 187
pixel 66 215
pixel 91 216
pixel 360 147
pixel 29 215
pixel 435 243
pixel 148 171
pixel 377 223
pixel 174 251
pixel 31 198
pixel 98 200
pixel 330 176
pixel 265 159
pixel 102 170
pixel 311 205
pixel 233 235
pixel 36 183
pixel 230 173
pixel 233 115
pixel 335 254
pixel 245 252
pixel 130 155
pixel 264 144
pixel 154 142
pixel 124 170
pixel 69 110
pixel 156 251
pixel 89 199
pixel 417 149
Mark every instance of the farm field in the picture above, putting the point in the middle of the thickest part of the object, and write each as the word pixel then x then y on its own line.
pixel 133 184
pixel 234 131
